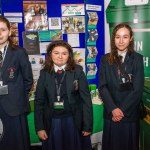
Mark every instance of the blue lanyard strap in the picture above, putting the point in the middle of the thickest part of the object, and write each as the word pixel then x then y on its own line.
pixel 58 86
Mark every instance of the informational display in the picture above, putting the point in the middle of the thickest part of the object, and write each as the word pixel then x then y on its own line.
pixel 35 24
pixel 72 9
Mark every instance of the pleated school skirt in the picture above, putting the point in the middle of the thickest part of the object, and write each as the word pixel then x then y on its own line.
pixel 120 136
pixel 14 133
pixel 65 136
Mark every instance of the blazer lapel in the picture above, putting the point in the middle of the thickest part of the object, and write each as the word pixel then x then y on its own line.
pixel 7 58
pixel 50 78
pixel 128 62
pixel 115 72
pixel 126 58
pixel 69 82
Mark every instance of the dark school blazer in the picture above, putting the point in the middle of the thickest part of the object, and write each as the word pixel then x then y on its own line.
pixel 78 96
pixel 17 74
pixel 128 101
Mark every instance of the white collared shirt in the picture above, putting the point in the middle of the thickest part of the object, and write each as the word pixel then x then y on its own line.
pixel 122 54
pixel 4 52
pixel 56 68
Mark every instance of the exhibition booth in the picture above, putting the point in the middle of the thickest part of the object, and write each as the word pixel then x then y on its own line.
pixel 87 26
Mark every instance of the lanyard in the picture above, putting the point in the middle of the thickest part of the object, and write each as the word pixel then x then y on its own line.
pixel 4 53
pixel 3 56
pixel 58 87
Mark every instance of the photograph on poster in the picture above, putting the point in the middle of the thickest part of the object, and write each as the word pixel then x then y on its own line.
pixel 55 35
pixel 79 56
pixel 92 53
pixel 31 42
pixel 14 33
pixel 93 35
pixel 35 15
pixel 75 24
pixel 91 70
pixel 93 18
pixel 37 62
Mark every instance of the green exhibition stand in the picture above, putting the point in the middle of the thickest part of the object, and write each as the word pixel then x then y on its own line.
pixel 33 136
pixel 97 118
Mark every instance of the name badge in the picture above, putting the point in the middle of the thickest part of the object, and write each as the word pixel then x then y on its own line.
pixel 4 90
pixel 59 105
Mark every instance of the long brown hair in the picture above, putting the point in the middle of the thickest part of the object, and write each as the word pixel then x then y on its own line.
pixel 5 20
pixel 49 65
pixel 113 56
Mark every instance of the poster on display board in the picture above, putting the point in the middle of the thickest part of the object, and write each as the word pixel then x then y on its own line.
pixel 93 19
pixel 37 62
pixel 73 24
pixel 31 42
pixel 72 9
pixel 94 49
pixel 14 33
pixel 35 15
pixel 92 53
pixel 79 56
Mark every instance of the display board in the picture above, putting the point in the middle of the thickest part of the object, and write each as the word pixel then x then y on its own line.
pixel 36 23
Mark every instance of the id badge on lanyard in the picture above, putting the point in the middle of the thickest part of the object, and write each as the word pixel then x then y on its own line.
pixel 59 104
pixel 3 88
